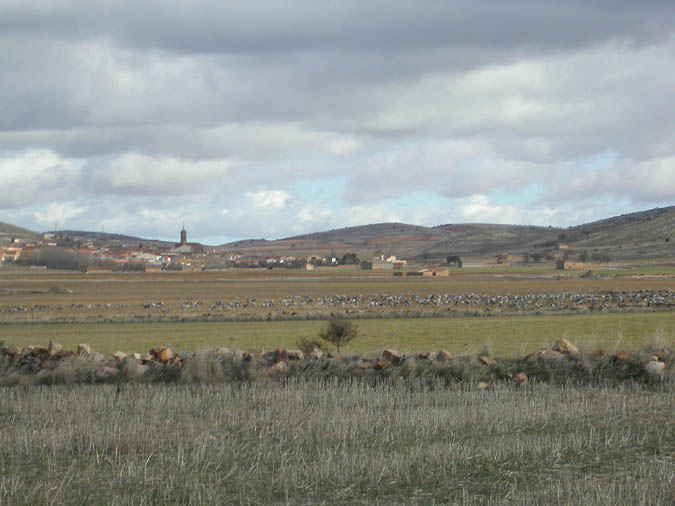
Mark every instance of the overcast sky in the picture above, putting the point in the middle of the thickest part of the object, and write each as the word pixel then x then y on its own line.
pixel 275 118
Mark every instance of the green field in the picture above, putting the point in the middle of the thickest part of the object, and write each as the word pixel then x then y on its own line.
pixel 503 336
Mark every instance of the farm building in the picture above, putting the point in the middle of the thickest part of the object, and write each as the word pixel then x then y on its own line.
pixel 436 272
pixel 564 265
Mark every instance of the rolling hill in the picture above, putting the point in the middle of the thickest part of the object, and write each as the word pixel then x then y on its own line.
pixel 8 231
pixel 644 234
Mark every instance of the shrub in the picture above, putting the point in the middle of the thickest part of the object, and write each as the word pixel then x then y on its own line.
pixel 307 345
pixel 339 331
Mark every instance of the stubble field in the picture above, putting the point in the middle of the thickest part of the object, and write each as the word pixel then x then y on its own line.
pixel 312 442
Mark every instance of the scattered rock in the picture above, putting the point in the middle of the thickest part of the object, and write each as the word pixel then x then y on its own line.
pixel 482 385
pixel 165 354
pixel 279 368
pixel 381 364
pixel 294 354
pixel 316 354
pixel 444 355
pixel 272 356
pixel 622 355
pixel 487 360
pixel 119 355
pixel 544 355
pixel 564 346
pixel 364 363
pixel 391 355
pixel 12 351
pixel 655 368
pixel 83 349
pixel 38 351
pixel 520 379
pixel 147 358
pixel 54 348
pixel 105 373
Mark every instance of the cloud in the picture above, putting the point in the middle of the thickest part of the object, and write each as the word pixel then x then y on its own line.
pixel 147 175
pixel 59 213
pixel 185 109
pixel 270 199
pixel 35 175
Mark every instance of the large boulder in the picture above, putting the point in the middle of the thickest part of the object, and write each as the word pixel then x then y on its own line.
pixel 655 368
pixel 54 348
pixel 119 355
pixel 293 355
pixel 39 352
pixel 564 346
pixel 391 355
pixel 444 356
pixel 381 364
pixel 83 349
pixel 520 379
pixel 165 354
pixel 364 363
pixel 12 351
pixel 487 360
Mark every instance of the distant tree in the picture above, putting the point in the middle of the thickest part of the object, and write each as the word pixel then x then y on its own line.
pixel 129 267
pixel 339 331
pixel 365 265
pixel 55 257
pixel 454 260
pixel 583 256
pixel 350 259
pixel 298 263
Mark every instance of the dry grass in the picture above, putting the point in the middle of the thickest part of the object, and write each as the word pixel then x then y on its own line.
pixel 336 442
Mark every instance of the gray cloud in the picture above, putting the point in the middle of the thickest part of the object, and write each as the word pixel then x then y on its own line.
pixel 172 100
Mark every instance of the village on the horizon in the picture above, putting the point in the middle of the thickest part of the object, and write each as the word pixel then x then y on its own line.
pixel 71 250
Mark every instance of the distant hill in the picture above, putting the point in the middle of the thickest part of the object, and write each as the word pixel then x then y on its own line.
pixel 8 231
pixel 109 237
pixel 642 235
pixel 645 234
